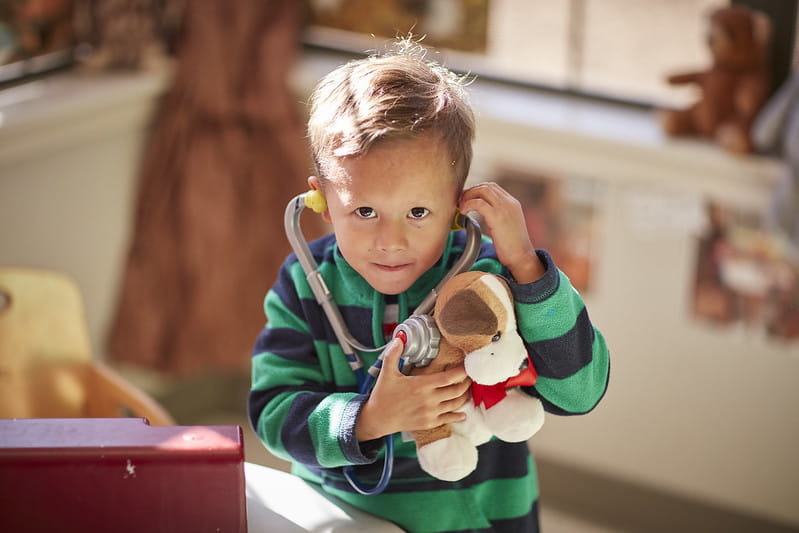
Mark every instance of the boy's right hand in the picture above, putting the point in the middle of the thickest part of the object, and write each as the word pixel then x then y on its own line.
pixel 409 403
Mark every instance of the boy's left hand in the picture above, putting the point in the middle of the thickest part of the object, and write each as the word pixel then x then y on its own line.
pixel 505 222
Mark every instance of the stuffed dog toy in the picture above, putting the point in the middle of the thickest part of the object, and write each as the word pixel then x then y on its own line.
pixel 475 315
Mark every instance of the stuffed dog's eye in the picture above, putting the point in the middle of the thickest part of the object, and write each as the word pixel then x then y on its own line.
pixel 496 337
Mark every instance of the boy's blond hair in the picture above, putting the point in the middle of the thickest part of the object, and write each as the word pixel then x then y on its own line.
pixel 397 95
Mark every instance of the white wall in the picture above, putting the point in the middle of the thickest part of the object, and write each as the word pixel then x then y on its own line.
pixel 69 146
pixel 700 411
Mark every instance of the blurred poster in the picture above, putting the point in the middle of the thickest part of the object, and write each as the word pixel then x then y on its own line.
pixel 454 24
pixel 746 275
pixel 562 218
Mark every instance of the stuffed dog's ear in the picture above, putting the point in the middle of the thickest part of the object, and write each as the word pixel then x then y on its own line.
pixel 467 313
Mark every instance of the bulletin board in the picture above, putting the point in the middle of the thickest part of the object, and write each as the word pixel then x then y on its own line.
pixel 563 217
pixel 747 276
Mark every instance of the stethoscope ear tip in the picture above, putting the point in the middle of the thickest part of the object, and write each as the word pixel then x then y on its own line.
pixel 458 221
pixel 315 201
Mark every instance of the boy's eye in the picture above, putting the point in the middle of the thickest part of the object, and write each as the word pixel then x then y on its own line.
pixel 418 212
pixel 365 212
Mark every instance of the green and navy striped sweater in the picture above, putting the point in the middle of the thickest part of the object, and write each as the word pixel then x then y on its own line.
pixel 304 401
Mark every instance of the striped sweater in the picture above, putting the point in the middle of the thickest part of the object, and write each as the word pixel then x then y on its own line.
pixel 304 402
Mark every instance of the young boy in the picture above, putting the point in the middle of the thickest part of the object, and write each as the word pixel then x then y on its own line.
pixel 391 138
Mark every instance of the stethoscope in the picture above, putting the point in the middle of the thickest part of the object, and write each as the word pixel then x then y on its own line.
pixel 418 332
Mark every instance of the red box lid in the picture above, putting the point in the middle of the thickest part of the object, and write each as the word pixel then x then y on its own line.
pixel 44 438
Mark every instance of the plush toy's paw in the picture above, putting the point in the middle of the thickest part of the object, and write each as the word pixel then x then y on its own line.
pixel 474 427
pixel 449 459
pixel 516 418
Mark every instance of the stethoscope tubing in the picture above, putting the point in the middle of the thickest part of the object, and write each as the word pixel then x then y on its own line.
pixel 348 343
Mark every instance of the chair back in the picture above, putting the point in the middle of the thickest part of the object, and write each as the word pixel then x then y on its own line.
pixel 46 365
pixel 44 345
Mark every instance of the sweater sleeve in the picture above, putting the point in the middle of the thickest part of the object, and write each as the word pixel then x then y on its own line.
pixel 568 352
pixel 295 407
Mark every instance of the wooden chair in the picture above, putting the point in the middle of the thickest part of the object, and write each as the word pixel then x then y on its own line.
pixel 46 364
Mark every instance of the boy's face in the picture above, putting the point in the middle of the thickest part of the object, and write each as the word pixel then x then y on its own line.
pixel 392 209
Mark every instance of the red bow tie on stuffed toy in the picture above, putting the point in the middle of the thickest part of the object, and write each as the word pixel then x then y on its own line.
pixel 491 395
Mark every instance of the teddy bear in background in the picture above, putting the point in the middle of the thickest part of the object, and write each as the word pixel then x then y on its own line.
pixel 734 88
pixel 476 318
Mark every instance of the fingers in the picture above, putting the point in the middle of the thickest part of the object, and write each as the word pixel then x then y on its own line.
pixel 416 401
pixel 450 418
pixel 488 193
pixel 456 403
pixel 444 412
pixel 450 410
pixel 451 397
pixel 459 386
pixel 500 210
pixel 391 355
pixel 452 373
pixel 440 395
pixel 505 221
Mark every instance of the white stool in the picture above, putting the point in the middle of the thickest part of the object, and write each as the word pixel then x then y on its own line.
pixel 279 502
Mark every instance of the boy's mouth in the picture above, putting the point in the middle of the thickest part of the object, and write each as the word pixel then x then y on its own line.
pixel 391 268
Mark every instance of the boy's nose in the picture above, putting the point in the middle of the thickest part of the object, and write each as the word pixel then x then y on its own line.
pixel 392 236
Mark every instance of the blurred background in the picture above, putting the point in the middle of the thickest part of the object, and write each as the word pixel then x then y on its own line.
pixel 148 149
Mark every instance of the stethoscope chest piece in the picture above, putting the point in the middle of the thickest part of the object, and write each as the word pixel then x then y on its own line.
pixel 421 338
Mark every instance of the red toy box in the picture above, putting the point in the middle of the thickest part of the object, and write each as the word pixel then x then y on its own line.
pixel 120 475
